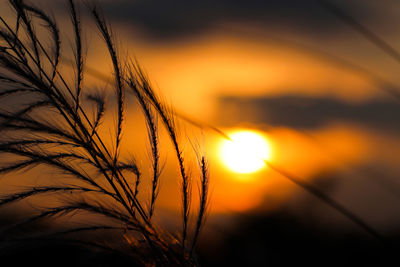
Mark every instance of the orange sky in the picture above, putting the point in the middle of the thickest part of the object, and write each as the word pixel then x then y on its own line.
pixel 237 59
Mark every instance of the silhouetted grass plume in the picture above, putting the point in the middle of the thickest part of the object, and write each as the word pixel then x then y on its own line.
pixel 56 122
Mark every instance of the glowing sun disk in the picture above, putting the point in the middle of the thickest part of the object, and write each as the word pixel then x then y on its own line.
pixel 246 152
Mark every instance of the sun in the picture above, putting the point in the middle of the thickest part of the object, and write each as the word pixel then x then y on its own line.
pixel 246 152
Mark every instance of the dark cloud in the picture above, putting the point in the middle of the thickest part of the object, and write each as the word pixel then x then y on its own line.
pixel 308 112
pixel 174 19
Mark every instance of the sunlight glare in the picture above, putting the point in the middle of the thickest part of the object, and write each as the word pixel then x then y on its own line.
pixel 246 152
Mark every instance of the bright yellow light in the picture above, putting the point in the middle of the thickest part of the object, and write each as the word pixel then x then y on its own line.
pixel 246 152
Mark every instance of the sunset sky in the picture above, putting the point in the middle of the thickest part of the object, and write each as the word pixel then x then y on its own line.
pixel 293 71
pixel 313 86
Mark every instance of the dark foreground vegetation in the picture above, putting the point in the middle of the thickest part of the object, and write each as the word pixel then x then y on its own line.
pixel 277 239
pixel 53 121
pixel 281 239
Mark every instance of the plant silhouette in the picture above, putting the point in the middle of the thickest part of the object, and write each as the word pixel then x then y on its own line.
pixel 56 122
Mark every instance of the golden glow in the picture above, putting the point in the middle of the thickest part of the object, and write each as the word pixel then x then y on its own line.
pixel 245 152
